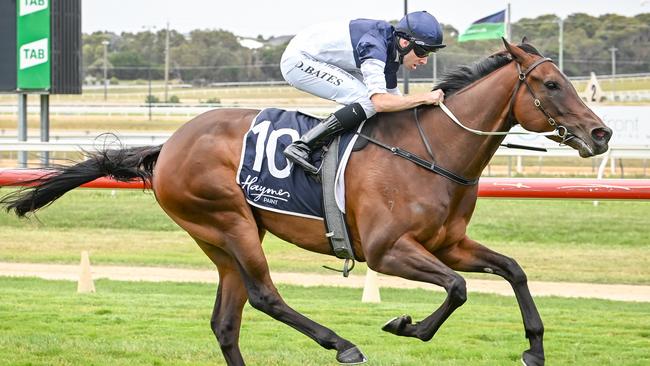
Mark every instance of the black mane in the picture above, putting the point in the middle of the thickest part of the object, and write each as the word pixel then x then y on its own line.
pixel 455 80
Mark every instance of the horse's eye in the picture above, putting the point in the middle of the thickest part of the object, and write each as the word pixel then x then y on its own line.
pixel 552 85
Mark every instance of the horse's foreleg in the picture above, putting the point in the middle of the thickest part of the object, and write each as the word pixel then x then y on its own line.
pixel 470 256
pixel 408 259
pixel 228 306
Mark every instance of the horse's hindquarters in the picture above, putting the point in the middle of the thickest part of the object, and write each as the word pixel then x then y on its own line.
pixel 194 178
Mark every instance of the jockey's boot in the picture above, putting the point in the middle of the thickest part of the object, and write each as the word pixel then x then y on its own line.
pixel 300 150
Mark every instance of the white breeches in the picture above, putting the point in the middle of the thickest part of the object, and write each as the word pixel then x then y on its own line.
pixel 324 80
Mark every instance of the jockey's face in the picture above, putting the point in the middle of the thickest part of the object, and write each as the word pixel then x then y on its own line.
pixel 411 60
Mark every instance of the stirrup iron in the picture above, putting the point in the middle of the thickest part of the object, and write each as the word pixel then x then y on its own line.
pixel 346 267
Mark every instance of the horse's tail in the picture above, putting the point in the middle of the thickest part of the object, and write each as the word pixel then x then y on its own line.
pixel 120 164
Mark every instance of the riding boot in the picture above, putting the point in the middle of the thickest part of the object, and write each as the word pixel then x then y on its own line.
pixel 300 150
pixel 344 119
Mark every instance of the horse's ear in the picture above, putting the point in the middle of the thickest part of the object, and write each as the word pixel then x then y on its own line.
pixel 524 40
pixel 517 53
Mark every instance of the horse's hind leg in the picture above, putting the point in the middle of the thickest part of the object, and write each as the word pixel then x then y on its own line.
pixel 470 256
pixel 262 295
pixel 228 306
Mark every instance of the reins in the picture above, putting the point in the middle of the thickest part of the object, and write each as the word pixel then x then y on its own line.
pixel 451 116
pixel 559 131
pixel 428 165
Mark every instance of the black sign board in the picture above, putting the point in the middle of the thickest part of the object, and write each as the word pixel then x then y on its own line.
pixel 7 46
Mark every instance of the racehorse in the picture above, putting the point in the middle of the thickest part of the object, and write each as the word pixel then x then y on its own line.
pixel 423 216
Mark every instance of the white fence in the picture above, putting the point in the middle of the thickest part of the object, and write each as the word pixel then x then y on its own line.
pixel 631 138
pixel 160 109
pixel 84 143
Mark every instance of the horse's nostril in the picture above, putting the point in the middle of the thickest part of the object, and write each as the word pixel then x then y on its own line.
pixel 601 134
pixel 598 134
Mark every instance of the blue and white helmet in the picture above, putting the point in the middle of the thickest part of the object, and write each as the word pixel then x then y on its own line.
pixel 422 30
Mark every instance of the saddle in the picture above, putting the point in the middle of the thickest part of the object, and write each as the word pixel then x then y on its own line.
pixel 270 183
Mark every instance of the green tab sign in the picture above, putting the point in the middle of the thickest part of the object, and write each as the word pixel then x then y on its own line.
pixel 33 43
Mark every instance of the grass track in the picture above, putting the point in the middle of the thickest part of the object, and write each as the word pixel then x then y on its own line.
pixel 47 323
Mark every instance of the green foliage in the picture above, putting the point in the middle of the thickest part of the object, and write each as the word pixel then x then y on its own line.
pixel 206 56
pixel 174 99
pixel 587 40
pixel 151 99
pixel 47 322
pixel 213 100
pixel 122 60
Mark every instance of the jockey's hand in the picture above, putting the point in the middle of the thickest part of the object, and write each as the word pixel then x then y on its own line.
pixel 386 102
pixel 435 97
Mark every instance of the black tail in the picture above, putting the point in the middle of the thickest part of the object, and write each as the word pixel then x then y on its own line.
pixel 123 165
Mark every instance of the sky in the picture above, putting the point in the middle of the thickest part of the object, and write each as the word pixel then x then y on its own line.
pixel 250 18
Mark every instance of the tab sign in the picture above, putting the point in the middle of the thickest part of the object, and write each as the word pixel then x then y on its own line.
pixel 34 53
pixel 32 6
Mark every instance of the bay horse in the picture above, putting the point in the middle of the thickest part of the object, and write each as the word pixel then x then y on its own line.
pixel 423 216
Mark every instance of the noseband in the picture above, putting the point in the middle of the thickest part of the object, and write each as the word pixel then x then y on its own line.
pixel 523 76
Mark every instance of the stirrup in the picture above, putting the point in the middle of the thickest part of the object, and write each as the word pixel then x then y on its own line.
pixel 296 159
pixel 308 168
pixel 346 267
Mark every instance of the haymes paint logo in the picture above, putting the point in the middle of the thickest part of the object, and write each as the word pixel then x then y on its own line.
pixel 34 53
pixel 32 6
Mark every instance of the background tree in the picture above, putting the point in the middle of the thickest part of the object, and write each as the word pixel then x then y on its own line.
pixel 206 56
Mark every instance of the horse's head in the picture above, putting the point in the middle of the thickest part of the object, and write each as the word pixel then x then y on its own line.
pixel 545 100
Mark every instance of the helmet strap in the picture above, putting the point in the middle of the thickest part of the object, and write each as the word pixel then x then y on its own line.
pixel 402 51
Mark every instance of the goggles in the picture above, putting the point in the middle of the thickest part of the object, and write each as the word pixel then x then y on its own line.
pixel 422 49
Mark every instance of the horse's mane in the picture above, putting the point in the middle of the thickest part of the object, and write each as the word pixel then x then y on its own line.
pixel 456 79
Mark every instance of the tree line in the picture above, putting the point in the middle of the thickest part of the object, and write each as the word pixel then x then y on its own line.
pixel 205 56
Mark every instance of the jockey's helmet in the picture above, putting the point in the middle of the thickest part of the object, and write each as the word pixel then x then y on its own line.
pixel 423 32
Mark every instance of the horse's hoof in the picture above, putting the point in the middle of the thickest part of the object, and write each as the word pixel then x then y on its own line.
pixel 397 324
pixel 351 356
pixel 529 359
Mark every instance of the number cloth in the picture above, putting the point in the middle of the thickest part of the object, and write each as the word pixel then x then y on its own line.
pixel 269 180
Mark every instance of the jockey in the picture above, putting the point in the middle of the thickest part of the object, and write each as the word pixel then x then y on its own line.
pixel 355 64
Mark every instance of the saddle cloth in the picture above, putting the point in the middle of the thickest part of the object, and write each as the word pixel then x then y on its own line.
pixel 270 181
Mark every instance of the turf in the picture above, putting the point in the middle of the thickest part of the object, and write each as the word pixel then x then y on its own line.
pixel 48 323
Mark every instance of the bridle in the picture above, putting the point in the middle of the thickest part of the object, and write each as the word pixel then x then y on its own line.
pixel 560 130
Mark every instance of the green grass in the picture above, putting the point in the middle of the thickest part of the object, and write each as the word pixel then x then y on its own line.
pixel 48 323
pixel 553 240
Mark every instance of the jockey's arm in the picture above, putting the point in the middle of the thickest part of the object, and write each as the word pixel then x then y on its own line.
pixel 386 102
pixel 390 100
